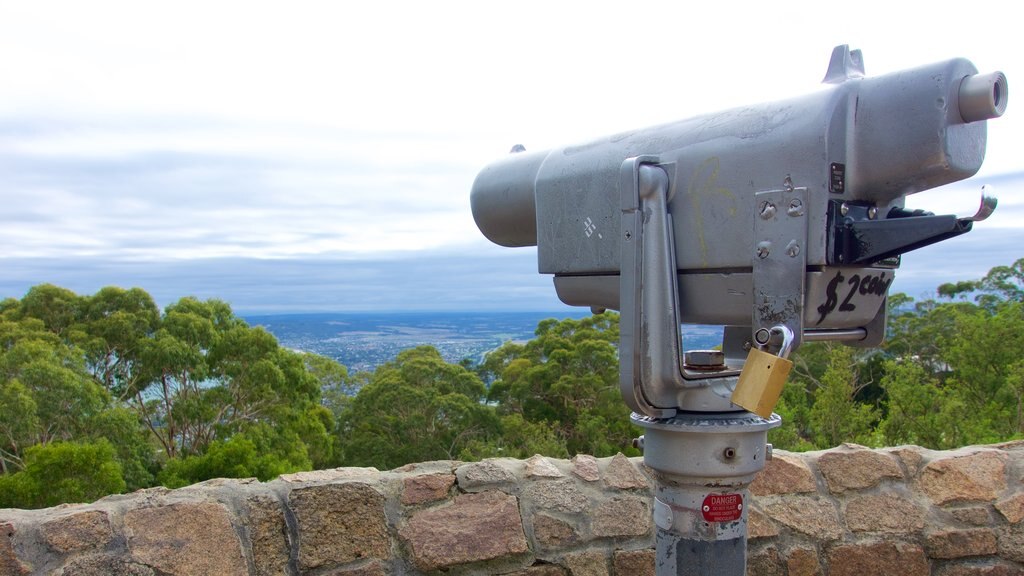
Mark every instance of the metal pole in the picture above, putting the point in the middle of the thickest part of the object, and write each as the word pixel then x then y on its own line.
pixel 703 463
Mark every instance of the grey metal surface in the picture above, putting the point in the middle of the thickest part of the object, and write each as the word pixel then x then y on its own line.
pixel 703 465
pixel 861 139
pixel 779 260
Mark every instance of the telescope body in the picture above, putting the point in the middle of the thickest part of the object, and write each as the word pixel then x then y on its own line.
pixel 858 145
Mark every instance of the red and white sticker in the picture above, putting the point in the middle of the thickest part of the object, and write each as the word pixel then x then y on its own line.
pixel 722 507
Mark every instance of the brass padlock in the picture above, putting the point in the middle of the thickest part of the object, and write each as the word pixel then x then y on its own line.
pixel 762 378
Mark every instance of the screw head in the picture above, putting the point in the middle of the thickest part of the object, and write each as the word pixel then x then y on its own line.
pixel 796 207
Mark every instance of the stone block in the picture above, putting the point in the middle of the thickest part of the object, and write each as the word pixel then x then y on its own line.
pixel 426 488
pixel 877 559
pixel 540 467
pixel 483 475
pixel 550 532
pixel 890 513
pixel 591 563
pixel 947 544
pixel 1010 540
pixel 1012 508
pixel 973 477
pixel 784 474
pixel 856 468
pixel 621 473
pixel 334 475
pixel 374 568
pixel 338 524
pixel 167 538
pixel 803 562
pixel 558 495
pixel 474 528
pixel 811 515
pixel 9 563
pixel 622 516
pixel 986 569
pixel 760 526
pixel 766 562
pixel 633 562
pixel 910 457
pixel 268 535
pixel 78 531
pixel 585 466
pixel 102 565
pixel 973 515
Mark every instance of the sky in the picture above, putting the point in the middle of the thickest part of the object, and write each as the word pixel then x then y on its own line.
pixel 318 156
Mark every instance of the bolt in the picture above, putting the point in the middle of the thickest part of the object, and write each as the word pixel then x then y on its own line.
pixel 762 252
pixel 796 207
pixel 767 210
pixel 729 453
pixel 704 359
pixel 788 183
pixel 629 235
pixel 638 443
pixel 768 451
pixel 844 209
pixel 762 336
pixel 793 249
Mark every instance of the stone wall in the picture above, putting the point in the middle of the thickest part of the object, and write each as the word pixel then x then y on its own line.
pixel 848 511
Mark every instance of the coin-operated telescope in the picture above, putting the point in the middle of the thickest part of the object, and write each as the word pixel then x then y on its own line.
pixel 783 222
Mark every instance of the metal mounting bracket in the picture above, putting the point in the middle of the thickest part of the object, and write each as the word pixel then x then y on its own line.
pixel 779 261
pixel 652 376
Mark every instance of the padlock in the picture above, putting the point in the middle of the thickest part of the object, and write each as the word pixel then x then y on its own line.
pixel 763 376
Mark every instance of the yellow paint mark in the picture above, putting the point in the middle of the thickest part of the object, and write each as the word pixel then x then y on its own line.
pixel 704 183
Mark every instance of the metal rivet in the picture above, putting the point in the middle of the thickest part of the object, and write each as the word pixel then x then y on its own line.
pixel 796 207
pixel 767 210
pixel 844 209
pixel 872 213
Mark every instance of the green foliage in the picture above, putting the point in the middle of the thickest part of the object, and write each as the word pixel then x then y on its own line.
pixel 417 407
pixel 106 393
pixel 247 455
pixel 163 388
pixel 518 438
pixel 568 379
pixel 63 472
pixel 836 416
pixel 920 410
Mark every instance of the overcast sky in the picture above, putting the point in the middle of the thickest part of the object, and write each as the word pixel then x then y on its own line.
pixel 319 155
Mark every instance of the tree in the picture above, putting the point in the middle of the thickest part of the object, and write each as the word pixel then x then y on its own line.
pixel 836 416
pixel 920 410
pixel 566 378
pixel 983 355
pixel 63 472
pixel 417 407
pixel 46 394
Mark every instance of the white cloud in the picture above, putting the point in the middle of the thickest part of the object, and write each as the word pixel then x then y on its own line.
pixel 141 132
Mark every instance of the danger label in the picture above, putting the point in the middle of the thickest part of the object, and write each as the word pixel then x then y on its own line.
pixel 722 507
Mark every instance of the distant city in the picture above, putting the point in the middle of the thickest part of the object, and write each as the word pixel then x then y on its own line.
pixel 363 341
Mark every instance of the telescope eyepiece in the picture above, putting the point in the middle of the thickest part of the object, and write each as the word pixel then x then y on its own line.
pixel 983 96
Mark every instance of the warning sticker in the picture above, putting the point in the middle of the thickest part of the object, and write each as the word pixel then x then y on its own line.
pixel 722 507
